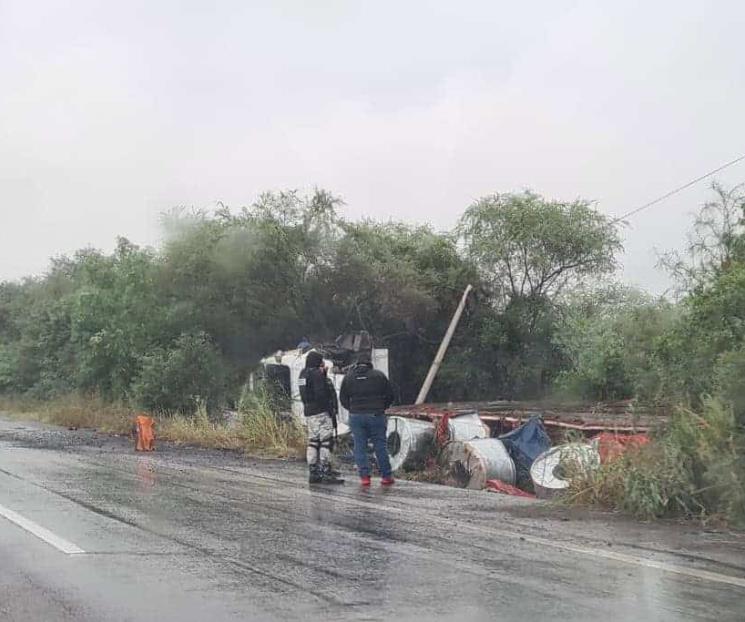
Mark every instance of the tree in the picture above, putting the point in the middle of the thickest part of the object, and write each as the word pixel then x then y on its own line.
pixel 607 337
pixel 528 250
pixel 710 274
pixel 529 247
pixel 401 283
pixel 715 241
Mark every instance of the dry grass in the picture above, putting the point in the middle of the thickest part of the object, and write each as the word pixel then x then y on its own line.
pixel 72 411
pixel 261 430
pixel 258 433
pixel 198 431
pixel 265 429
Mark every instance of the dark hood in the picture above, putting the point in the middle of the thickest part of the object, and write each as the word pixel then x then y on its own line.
pixel 364 360
pixel 314 359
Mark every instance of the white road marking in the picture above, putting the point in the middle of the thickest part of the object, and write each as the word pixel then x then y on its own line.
pixel 41 532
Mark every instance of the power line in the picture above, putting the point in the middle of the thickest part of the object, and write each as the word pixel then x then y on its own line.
pixel 672 192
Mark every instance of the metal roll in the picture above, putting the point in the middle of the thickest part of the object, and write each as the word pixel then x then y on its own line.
pixel 409 440
pixel 476 461
pixel 551 471
pixel 467 428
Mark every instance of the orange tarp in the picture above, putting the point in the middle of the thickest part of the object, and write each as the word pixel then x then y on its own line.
pixel 495 485
pixel 611 445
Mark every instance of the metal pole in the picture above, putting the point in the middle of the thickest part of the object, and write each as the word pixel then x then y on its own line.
pixel 442 349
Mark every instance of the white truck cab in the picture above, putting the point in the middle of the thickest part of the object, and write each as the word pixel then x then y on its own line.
pixel 285 367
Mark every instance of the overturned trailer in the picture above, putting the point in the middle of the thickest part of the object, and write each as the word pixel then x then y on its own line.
pixel 282 369
pixel 503 416
pixel 522 457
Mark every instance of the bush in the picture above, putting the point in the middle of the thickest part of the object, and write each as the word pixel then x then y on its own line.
pixel 8 367
pixel 176 378
pixel 609 338
pixel 729 375
pixel 695 467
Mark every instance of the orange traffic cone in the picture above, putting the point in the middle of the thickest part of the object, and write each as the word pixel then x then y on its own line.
pixel 145 427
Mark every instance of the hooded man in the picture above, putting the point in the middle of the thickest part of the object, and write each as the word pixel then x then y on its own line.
pixel 318 400
pixel 366 393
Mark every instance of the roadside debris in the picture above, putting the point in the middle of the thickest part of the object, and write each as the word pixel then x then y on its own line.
pixel 552 471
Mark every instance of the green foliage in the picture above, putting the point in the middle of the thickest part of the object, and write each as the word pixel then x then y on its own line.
pixel 530 247
pixel 681 354
pixel 729 381
pixel 226 288
pixel 516 347
pixel 114 317
pixel 711 324
pixel 180 377
pixel 608 337
pixel 401 284
pixel 695 467
pixel 8 366
pixel 621 347
pixel 715 242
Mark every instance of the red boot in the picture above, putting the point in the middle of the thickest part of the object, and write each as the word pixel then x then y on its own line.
pixel 387 481
pixel 364 480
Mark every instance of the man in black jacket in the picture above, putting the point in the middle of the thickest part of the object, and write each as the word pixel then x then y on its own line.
pixel 318 402
pixel 366 393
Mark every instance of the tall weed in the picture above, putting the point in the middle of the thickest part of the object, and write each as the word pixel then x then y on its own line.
pixel 695 467
pixel 265 428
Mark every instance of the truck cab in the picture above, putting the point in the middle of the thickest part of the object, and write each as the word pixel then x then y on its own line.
pixel 284 366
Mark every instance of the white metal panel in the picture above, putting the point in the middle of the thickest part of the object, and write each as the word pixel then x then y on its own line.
pixel 380 360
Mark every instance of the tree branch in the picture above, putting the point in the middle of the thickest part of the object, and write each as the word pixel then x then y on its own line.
pixel 509 274
pixel 527 273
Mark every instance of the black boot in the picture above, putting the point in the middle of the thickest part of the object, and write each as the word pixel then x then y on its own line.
pixel 314 474
pixel 329 476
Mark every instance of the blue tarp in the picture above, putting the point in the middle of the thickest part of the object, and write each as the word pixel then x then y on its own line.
pixel 524 445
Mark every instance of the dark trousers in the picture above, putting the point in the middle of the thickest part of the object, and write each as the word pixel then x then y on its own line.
pixel 365 427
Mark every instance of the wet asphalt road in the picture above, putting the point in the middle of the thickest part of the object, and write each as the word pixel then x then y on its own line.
pixel 187 534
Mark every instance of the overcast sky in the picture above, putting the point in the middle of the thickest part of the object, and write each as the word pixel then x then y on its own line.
pixel 111 113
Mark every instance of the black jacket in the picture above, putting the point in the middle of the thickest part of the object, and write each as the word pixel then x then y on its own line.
pixel 366 390
pixel 314 391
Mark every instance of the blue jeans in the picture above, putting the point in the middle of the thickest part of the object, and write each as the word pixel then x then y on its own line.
pixel 366 426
